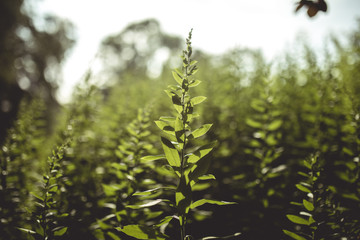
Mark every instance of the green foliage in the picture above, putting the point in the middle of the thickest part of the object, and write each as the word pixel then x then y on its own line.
pixel 47 213
pixel 122 178
pixel 18 170
pixel 188 164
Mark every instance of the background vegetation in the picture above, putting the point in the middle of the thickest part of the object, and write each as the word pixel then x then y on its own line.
pixel 287 151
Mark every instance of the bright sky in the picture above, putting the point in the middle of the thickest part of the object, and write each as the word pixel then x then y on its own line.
pixel 219 25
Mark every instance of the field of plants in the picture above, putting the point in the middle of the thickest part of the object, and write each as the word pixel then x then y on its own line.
pixel 214 147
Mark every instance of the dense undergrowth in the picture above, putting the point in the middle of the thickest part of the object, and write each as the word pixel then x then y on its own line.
pixel 283 145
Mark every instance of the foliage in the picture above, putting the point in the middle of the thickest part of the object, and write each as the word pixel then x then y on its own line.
pixel 257 124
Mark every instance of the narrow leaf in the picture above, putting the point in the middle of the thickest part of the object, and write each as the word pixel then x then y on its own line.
pixel 303 188
pixel 60 232
pixel 27 230
pixel 297 219
pixel 293 235
pixel 151 191
pixel 253 123
pixel 152 157
pixel 145 205
pixel 37 196
pixel 204 201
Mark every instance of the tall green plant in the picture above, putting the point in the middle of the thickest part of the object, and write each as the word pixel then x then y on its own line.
pixel 47 213
pixel 315 218
pixel 185 159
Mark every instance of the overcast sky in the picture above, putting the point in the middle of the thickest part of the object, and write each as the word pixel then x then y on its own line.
pixel 219 25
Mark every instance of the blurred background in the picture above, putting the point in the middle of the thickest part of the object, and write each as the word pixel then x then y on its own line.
pixel 48 45
pixel 280 85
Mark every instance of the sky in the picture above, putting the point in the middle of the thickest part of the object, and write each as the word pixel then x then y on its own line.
pixel 219 25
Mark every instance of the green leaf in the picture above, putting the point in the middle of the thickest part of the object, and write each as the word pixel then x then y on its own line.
pixel 308 205
pixel 172 155
pixel 274 125
pixel 293 235
pixel 179 131
pixel 253 123
pixel 177 103
pixel 145 205
pixel 177 78
pixel 303 188
pixel 223 237
pixel 37 196
pixel 200 131
pixel 113 236
pixel 151 191
pixel 61 231
pixel 207 177
pixel 297 219
pixel 165 127
pixel 204 201
pixel 152 158
pixel 165 220
pixel 134 231
pixel 109 190
pixel 201 152
pixel 183 195
pixel 258 105
pixel 194 83
pixel 27 230
pixel 197 100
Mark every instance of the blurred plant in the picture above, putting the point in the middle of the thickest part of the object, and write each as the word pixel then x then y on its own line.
pixel 315 221
pixel 47 214
pixel 18 169
pixel 131 174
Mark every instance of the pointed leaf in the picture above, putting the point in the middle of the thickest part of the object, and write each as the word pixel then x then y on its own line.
pixel 151 191
pixel 274 125
pixel 253 123
pixel 308 205
pixel 177 78
pixel 37 196
pixel 145 205
pixel 293 235
pixel 197 100
pixel 165 127
pixel 194 83
pixel 61 231
pixel 207 177
pixel 297 219
pixel 179 131
pixel 134 231
pixel 204 201
pixel 172 155
pixel 165 220
pixel 152 158
pixel 201 152
pixel 26 230
pixel 113 236
pixel 303 188
pixel 200 131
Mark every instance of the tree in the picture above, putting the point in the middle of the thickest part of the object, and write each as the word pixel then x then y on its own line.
pixel 30 58
pixel 136 48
